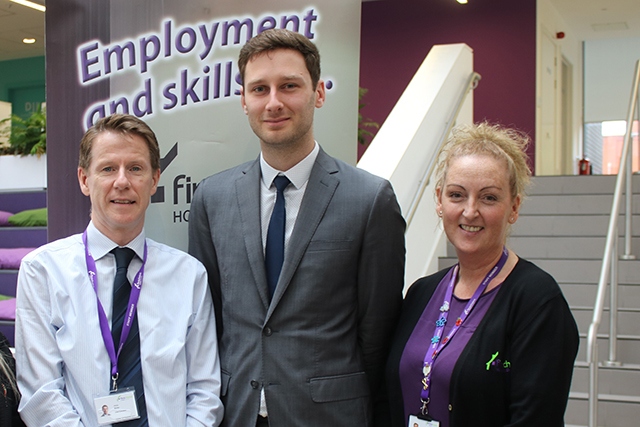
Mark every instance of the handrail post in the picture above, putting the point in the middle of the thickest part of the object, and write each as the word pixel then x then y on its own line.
pixel 613 307
pixel 628 211
pixel 592 359
pixel 635 91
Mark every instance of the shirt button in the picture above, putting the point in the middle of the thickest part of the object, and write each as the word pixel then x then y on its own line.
pixel 450 407
pixel 268 331
pixel 254 384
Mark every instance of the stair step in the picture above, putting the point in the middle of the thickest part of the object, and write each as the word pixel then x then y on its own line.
pixel 578 271
pixel 623 380
pixel 613 410
pixel 583 295
pixel 587 204
pixel 603 397
pixel 628 350
pixel 569 225
pixel 628 320
pixel 566 247
pixel 577 184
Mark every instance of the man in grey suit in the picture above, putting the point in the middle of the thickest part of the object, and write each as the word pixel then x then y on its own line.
pixel 309 349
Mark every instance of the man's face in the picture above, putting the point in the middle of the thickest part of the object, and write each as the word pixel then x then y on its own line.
pixel 279 99
pixel 120 183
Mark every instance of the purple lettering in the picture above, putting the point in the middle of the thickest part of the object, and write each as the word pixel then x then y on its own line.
pixel 120 102
pixel 309 19
pixel 237 25
pixel 167 39
pixel 119 54
pixel 266 24
pixel 208 38
pixel 191 42
pixel 91 117
pixel 169 96
pixel 87 62
pixel 286 19
pixel 145 55
pixel 144 96
pixel 187 91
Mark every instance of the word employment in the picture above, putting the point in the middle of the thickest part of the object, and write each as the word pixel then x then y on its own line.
pixel 201 43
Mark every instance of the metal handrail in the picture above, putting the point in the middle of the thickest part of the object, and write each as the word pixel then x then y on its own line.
pixel 608 259
pixel 472 83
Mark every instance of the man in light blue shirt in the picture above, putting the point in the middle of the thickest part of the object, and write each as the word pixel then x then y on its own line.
pixel 68 362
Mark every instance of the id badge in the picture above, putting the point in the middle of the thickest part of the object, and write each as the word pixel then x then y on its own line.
pixel 414 421
pixel 116 407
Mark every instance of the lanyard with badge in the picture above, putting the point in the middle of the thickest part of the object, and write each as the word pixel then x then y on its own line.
pixel 438 343
pixel 118 405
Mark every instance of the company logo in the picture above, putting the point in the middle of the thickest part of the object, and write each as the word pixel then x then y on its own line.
pixel 182 187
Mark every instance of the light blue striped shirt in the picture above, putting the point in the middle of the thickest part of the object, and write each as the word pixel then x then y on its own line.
pixel 62 363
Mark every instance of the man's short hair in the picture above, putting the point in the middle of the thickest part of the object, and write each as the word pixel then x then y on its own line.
pixel 124 124
pixel 273 39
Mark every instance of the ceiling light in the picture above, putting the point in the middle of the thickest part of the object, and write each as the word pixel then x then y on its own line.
pixel 459 1
pixel 28 40
pixel 30 4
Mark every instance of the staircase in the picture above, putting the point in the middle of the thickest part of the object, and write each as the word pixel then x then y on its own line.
pixel 562 228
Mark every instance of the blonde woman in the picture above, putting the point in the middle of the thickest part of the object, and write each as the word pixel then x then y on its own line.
pixel 490 342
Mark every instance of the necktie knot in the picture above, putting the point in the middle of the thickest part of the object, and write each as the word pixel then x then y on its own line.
pixel 281 182
pixel 123 257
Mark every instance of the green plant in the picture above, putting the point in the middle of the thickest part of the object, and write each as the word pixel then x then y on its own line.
pixel 364 124
pixel 26 136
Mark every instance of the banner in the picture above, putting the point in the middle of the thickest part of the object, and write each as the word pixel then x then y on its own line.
pixel 174 65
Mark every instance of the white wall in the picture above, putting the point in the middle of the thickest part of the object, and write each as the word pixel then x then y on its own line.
pixel 549 23
pixel 5 113
pixel 609 68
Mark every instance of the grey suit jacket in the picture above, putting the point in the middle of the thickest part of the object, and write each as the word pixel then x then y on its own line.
pixel 319 347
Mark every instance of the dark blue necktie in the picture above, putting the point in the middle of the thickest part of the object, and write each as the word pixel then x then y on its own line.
pixel 130 371
pixel 274 252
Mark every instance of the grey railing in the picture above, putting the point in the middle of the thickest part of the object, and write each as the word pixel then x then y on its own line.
pixel 610 261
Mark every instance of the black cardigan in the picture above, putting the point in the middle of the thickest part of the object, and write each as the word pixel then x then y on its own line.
pixel 529 323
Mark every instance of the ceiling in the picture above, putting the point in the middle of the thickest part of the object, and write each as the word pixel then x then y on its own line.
pixel 16 23
pixel 587 19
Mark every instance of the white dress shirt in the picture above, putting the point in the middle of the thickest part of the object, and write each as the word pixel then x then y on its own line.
pixel 293 194
pixel 62 363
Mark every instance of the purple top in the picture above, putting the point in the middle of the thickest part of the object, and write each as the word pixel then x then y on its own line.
pixel 419 342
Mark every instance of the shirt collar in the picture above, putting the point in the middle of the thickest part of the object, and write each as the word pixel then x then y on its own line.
pixel 298 174
pixel 100 245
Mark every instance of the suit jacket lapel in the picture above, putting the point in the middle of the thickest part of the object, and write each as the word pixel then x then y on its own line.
pixel 320 189
pixel 248 195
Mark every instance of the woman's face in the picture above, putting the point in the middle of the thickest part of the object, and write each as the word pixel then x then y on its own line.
pixel 476 204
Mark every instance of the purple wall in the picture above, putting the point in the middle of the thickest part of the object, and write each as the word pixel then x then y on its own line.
pixel 398 34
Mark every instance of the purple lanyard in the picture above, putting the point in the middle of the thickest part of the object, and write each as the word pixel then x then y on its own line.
pixel 436 343
pixel 131 308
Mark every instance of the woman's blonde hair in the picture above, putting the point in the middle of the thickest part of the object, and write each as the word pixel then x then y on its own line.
pixel 499 142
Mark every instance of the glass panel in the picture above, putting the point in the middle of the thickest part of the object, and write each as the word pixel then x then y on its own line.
pixel 603 146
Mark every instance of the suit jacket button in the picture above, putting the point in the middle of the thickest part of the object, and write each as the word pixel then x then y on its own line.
pixel 450 407
pixel 255 384
pixel 267 331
